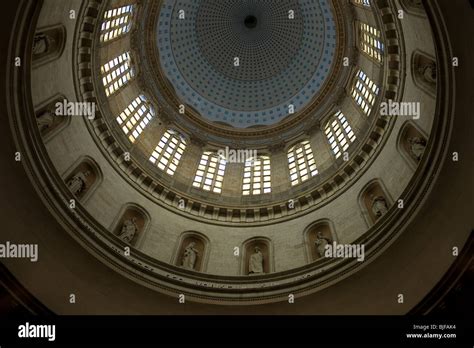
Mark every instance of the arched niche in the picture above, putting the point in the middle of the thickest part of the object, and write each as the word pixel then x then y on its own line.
pixel 374 201
pixel 192 251
pixel 83 178
pixel 257 258
pixel 424 71
pixel 48 120
pixel 414 7
pixel 412 143
pixel 131 224
pixel 316 236
pixel 48 44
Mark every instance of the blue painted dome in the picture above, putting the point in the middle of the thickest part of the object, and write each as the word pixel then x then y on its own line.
pixel 285 50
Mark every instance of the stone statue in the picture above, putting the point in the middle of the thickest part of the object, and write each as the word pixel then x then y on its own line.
pixel 129 229
pixel 78 182
pixel 42 44
pixel 428 72
pixel 189 256
pixel 417 147
pixel 45 121
pixel 256 262
pixel 321 243
pixel 379 206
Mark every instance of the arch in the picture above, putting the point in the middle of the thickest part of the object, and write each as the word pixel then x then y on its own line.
pixel 135 117
pixel 295 143
pixel 301 162
pixel 169 151
pixel 202 247
pixel 339 134
pixel 131 224
pixel 310 235
pixel 48 44
pixel 424 72
pixel 49 122
pixel 411 143
pixel 369 41
pixel 83 178
pixel 266 248
pixel 414 7
pixel 116 23
pixel 374 201
pixel 361 3
pixel 256 179
pixel 365 92
pixel 210 172
pixel 118 72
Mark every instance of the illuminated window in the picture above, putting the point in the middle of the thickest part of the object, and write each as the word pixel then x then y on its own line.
pixel 362 2
pixel 169 151
pixel 301 163
pixel 364 92
pixel 369 41
pixel 135 118
pixel 210 173
pixel 339 133
pixel 116 73
pixel 257 176
pixel 116 22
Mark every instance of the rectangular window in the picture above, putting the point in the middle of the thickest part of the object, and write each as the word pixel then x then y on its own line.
pixel 339 134
pixel 116 22
pixel 364 92
pixel 169 151
pixel 117 73
pixel 135 118
pixel 257 176
pixel 370 42
pixel 210 173
pixel 301 163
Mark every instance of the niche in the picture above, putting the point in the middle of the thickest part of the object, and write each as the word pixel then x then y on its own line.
pixel 374 202
pixel 49 123
pixel 316 237
pixel 424 72
pixel 257 257
pixel 192 252
pixel 84 178
pixel 48 44
pixel 412 143
pixel 414 7
pixel 131 224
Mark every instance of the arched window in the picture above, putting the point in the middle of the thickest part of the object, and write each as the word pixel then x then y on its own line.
pixel 117 22
pixel 364 92
pixel 116 73
pixel 339 134
pixel 210 173
pixel 301 163
pixel 135 118
pixel 257 176
pixel 169 151
pixel 370 42
pixel 362 2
